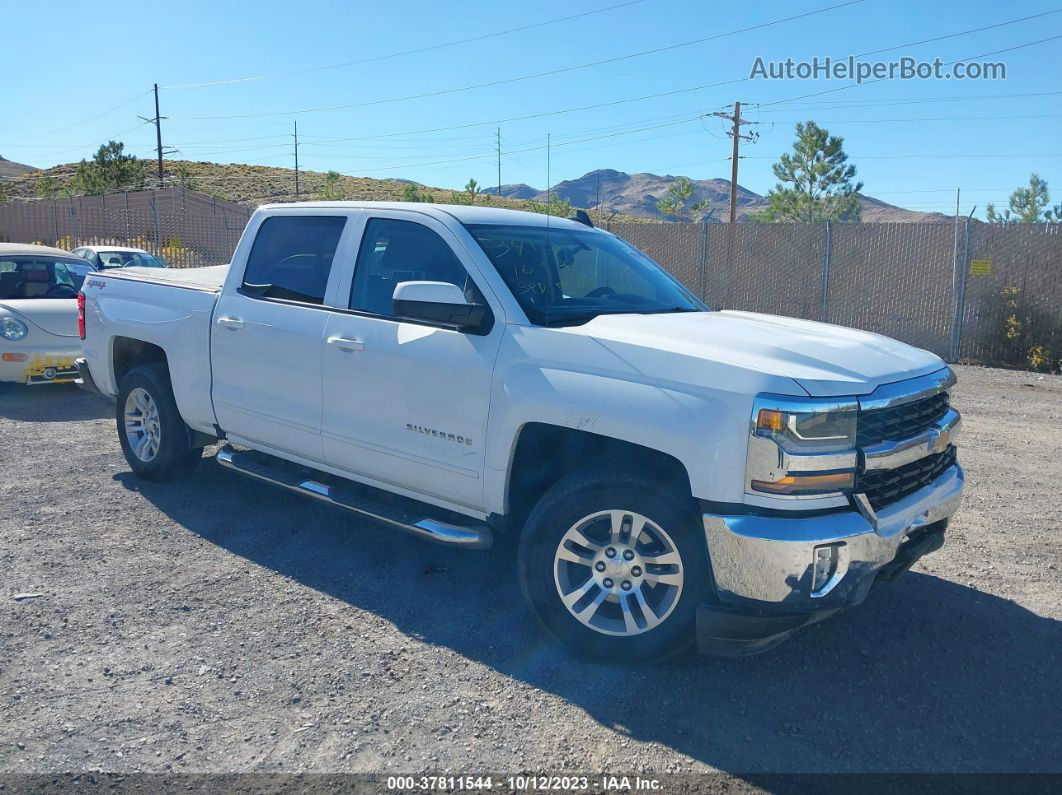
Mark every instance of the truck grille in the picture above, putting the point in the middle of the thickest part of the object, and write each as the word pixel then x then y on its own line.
pixel 885 486
pixel 900 422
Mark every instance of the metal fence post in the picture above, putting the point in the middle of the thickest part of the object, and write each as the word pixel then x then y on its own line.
pixel 704 260
pixel 155 221
pixel 55 220
pixel 960 303
pixel 825 313
pixel 126 194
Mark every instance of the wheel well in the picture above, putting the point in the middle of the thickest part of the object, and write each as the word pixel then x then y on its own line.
pixel 546 453
pixel 129 353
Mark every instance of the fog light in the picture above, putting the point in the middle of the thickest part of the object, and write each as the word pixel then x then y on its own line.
pixel 824 567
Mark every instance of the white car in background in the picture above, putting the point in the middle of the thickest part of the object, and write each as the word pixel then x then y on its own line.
pixel 39 337
pixel 102 257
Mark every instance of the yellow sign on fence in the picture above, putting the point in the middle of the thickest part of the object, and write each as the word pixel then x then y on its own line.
pixel 980 267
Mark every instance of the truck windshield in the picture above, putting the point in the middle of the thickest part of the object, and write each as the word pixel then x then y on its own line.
pixel 130 259
pixel 566 276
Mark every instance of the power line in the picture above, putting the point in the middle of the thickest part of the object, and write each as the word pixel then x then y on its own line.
pixel 961 33
pixel 417 50
pixel 547 73
pixel 91 118
pixel 879 80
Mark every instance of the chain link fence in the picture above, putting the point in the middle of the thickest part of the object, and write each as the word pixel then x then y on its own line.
pixel 968 291
pixel 185 228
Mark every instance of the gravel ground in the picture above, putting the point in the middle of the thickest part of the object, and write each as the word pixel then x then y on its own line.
pixel 218 624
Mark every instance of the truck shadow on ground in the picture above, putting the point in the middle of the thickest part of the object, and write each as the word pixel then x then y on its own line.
pixel 927 675
pixel 52 403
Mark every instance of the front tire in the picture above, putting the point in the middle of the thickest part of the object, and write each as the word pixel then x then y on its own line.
pixel 613 566
pixel 153 435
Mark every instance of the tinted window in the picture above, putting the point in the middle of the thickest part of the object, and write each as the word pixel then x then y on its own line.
pixel 130 259
pixel 403 251
pixel 292 256
pixel 33 276
pixel 563 275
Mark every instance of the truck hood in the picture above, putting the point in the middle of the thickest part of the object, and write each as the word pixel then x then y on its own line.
pixel 823 359
pixel 55 315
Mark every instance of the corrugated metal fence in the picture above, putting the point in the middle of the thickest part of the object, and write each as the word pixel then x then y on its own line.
pixel 960 291
pixel 957 290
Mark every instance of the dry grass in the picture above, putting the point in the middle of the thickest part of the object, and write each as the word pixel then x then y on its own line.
pixel 250 184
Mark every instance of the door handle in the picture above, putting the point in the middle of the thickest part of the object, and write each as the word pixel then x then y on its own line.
pixel 348 344
pixel 231 323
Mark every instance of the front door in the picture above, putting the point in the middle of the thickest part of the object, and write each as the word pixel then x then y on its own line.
pixel 268 335
pixel 405 403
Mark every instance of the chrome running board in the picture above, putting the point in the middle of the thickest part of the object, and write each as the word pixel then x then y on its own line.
pixel 348 496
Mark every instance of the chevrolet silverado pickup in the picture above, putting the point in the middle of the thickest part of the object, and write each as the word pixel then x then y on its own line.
pixel 671 474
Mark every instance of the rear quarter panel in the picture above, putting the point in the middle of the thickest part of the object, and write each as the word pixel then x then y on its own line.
pixel 175 317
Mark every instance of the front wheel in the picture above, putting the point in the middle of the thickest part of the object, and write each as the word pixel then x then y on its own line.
pixel 614 567
pixel 152 433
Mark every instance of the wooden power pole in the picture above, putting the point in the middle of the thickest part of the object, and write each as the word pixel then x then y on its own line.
pixel 296 159
pixel 157 121
pixel 158 131
pixel 737 121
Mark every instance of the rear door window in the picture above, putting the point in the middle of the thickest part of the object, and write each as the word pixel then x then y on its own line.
pixel 292 257
pixel 394 251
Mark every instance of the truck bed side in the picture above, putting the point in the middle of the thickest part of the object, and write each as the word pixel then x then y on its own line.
pixel 128 311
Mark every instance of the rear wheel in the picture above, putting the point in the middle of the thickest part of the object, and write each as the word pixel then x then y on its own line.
pixel 153 436
pixel 614 567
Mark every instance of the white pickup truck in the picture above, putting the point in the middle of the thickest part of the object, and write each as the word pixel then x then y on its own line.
pixel 672 473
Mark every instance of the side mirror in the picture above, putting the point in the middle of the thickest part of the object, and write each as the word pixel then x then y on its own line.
pixel 440 303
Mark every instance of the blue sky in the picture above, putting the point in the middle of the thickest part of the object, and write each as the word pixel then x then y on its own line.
pixel 913 142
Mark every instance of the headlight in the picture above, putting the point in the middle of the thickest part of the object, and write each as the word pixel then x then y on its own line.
pixel 801 448
pixel 12 329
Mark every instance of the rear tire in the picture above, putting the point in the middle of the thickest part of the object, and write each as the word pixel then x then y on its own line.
pixel 153 435
pixel 629 602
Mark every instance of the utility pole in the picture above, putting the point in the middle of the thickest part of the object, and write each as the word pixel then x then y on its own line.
pixel 158 131
pixel 497 138
pixel 296 159
pixel 157 121
pixel 549 195
pixel 738 137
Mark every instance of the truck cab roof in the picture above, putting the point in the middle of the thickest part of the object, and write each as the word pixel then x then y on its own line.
pixel 463 213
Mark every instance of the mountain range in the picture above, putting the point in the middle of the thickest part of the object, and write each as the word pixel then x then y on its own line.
pixel 608 192
pixel 9 168
pixel 611 191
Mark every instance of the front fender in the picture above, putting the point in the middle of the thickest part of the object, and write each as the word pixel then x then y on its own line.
pixel 593 390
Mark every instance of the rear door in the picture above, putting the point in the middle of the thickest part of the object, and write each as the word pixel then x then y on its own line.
pixel 405 403
pixel 268 334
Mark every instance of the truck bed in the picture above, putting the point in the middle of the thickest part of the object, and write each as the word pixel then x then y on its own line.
pixel 210 279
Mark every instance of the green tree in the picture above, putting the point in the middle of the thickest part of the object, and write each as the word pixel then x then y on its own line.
pixel 472 189
pixel 814 181
pixel 47 186
pixel 411 193
pixel 555 206
pixel 185 179
pixel 1027 205
pixel 331 190
pixel 110 169
pixel 677 203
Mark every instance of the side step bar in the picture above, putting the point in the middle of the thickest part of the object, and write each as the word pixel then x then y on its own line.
pixel 322 487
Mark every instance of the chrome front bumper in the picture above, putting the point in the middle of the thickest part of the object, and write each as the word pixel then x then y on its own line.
pixel 768 562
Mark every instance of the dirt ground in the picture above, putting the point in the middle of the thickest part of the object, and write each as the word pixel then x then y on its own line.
pixel 217 624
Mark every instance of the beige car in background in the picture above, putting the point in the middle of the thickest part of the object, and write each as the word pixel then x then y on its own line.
pixel 39 337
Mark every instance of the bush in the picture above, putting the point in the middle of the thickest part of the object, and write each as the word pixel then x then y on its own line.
pixel 1027 332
